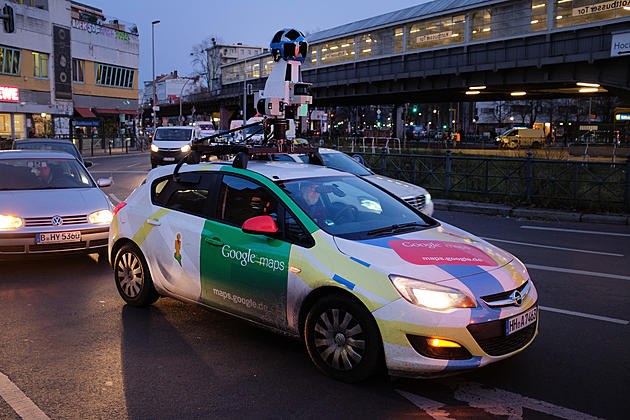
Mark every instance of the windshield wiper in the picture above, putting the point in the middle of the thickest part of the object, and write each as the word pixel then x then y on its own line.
pixel 395 228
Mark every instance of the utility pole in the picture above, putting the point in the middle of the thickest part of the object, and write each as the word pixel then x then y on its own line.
pixel 153 58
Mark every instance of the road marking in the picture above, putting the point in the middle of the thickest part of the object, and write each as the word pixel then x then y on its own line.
pixel 120 172
pixel 505 403
pixel 580 272
pixel 18 401
pixel 135 164
pixel 113 197
pixel 432 408
pixel 553 247
pixel 592 232
pixel 583 315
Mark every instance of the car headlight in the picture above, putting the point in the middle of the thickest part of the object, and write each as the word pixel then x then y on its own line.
pixel 427 198
pixel 185 148
pixel 8 222
pixel 431 295
pixel 154 148
pixel 101 217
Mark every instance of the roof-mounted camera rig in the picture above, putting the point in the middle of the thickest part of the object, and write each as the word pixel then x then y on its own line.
pixel 285 97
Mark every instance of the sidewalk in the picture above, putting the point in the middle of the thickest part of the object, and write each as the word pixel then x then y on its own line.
pixel 530 213
pixel 117 151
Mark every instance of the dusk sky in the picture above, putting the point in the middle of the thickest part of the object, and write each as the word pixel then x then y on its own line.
pixel 185 23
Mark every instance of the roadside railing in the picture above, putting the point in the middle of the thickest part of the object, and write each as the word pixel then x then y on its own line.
pixel 579 185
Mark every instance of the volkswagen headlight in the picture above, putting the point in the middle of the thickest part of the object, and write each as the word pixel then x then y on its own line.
pixel 101 217
pixel 8 222
pixel 429 295
pixel 154 148
pixel 185 148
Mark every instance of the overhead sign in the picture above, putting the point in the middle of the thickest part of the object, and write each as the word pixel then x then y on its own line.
pixel 9 94
pixel 435 37
pixel 620 44
pixel 622 117
pixel 600 7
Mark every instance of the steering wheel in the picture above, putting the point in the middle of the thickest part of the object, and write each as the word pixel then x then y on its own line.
pixel 351 210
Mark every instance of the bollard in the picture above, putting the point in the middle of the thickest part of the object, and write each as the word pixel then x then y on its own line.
pixel 447 175
pixel 528 194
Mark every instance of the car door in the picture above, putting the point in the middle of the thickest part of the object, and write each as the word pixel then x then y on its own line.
pixel 173 244
pixel 244 273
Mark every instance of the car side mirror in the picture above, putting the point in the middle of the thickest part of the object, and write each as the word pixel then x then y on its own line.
pixel 260 225
pixel 88 163
pixel 104 182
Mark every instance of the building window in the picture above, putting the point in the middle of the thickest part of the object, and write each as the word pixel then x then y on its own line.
pixel 78 67
pixel 10 61
pixel 40 65
pixel 435 33
pixel 578 12
pixel 113 76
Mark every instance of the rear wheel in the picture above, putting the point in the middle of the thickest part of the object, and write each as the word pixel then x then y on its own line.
pixel 342 339
pixel 132 276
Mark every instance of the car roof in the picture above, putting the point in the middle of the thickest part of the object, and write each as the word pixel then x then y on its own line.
pixel 189 127
pixel 43 141
pixel 35 154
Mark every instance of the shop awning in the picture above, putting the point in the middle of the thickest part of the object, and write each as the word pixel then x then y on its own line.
pixel 115 111
pixel 85 112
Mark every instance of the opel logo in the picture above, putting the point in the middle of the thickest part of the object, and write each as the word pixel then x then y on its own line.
pixel 517 298
pixel 57 221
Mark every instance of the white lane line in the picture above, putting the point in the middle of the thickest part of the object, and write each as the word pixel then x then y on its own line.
pixel 119 172
pixel 432 408
pixel 505 403
pixel 113 197
pixel 583 315
pixel 18 401
pixel 592 232
pixel 552 247
pixel 579 272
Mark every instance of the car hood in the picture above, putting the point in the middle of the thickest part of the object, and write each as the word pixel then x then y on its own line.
pixel 433 255
pixel 398 188
pixel 44 203
pixel 171 144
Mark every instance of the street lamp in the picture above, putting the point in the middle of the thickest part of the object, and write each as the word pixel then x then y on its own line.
pixel 153 58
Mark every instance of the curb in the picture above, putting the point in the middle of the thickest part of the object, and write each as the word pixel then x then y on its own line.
pixel 527 213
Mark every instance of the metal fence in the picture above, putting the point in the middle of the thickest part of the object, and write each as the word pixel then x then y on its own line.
pixel 578 185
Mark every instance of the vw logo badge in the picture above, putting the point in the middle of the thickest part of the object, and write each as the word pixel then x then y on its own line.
pixel 57 221
pixel 517 298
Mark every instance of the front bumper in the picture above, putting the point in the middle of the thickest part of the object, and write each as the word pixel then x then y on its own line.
pixel 93 239
pixel 166 157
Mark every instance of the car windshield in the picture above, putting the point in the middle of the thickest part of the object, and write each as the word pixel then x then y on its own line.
pixel 352 208
pixel 177 134
pixel 206 126
pixel 342 162
pixel 254 130
pixel 60 146
pixel 42 174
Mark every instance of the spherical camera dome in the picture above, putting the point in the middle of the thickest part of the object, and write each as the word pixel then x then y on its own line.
pixel 289 44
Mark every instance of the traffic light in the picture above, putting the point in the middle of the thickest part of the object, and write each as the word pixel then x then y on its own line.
pixel 8 18
pixel 415 109
pixel 444 126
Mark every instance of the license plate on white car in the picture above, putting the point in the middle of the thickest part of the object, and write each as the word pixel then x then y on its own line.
pixel 57 237
pixel 169 159
pixel 521 321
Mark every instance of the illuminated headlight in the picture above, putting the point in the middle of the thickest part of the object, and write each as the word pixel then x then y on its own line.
pixel 430 295
pixel 154 148
pixel 8 222
pixel 185 148
pixel 101 217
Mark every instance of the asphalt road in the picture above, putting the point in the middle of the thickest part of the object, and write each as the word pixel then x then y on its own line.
pixel 70 348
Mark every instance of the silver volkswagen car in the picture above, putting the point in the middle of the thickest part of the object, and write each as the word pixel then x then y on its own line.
pixel 50 203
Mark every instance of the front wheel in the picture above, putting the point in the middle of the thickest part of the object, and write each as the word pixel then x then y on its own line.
pixel 342 339
pixel 132 276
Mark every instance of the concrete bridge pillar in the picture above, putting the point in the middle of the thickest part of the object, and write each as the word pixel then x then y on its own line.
pixel 399 122
pixel 224 118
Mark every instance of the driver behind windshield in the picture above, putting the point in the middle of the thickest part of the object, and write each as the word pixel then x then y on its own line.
pixel 311 201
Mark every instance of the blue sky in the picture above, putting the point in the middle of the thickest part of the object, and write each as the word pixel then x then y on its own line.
pixel 185 23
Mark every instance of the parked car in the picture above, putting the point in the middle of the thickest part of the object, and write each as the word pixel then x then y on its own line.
pixel 521 137
pixel 325 256
pixel 170 144
pixel 50 203
pixel 51 144
pixel 416 196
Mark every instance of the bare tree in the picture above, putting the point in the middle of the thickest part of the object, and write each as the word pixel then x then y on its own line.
pixel 500 111
pixel 206 60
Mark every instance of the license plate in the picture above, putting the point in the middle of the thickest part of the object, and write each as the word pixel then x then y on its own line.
pixel 169 159
pixel 57 237
pixel 521 321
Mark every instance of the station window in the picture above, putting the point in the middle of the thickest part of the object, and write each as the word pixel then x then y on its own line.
pixel 40 65
pixel 337 51
pixel 437 32
pixel 113 76
pixel 481 24
pixel 398 39
pixel 78 68
pixel 578 12
pixel 539 15
pixel 509 19
pixel 10 61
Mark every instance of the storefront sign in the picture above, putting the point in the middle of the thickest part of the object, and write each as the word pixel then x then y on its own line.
pixel 620 44
pixel 600 7
pixel 85 123
pixel 103 30
pixel 9 94
pixel 622 117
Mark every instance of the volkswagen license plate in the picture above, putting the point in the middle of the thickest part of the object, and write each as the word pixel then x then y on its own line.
pixel 521 321
pixel 57 237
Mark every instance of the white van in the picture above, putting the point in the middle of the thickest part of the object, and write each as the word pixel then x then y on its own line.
pixel 170 144
pixel 521 137
pixel 206 127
